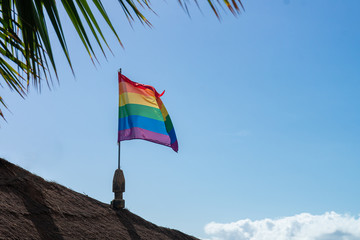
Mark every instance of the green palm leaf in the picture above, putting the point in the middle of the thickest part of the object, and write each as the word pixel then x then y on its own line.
pixel 25 47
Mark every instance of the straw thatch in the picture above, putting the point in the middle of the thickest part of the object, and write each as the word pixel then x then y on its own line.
pixel 32 208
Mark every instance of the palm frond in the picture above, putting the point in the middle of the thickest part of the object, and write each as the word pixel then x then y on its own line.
pixel 25 46
pixel 25 42
pixel 233 5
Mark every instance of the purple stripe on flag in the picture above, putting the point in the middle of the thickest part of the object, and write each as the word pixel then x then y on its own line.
pixel 140 133
pixel 175 146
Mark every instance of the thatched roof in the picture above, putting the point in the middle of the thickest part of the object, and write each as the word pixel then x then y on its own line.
pixel 32 208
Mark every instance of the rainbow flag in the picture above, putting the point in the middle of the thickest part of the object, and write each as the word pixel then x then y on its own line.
pixel 142 114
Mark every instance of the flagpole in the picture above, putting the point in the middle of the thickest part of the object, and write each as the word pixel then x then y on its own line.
pixel 118 180
pixel 119 141
pixel 119 157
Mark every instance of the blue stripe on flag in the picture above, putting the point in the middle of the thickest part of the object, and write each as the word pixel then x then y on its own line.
pixel 142 122
pixel 172 135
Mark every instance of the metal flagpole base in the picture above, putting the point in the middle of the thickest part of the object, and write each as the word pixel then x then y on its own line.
pixel 118 189
pixel 118 204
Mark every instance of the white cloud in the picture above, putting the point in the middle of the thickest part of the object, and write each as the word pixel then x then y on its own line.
pixel 304 226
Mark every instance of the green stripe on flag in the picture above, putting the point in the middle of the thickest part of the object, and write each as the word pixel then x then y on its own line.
pixel 168 124
pixel 140 110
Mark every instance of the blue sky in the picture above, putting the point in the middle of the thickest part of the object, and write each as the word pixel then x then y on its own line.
pixel 265 106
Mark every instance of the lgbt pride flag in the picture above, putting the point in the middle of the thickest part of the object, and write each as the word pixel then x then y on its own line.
pixel 142 114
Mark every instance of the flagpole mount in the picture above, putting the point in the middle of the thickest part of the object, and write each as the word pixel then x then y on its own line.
pixel 118 189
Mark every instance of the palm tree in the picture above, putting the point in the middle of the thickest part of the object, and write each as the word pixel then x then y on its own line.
pixel 25 47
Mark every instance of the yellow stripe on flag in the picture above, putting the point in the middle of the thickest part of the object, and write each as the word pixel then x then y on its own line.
pixel 134 98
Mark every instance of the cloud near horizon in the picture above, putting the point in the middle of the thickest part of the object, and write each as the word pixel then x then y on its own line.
pixel 304 226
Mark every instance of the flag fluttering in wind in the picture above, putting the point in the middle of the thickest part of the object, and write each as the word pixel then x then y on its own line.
pixel 142 114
